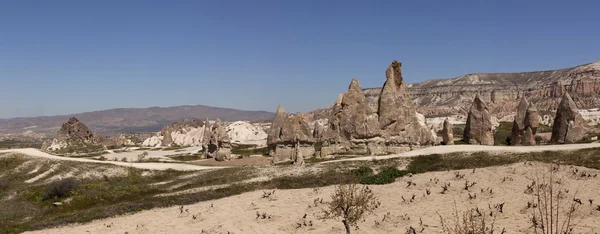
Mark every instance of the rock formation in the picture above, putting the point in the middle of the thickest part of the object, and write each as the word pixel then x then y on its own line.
pixel 447 133
pixel 357 124
pixel 479 129
pixel 245 133
pixel 219 145
pixel 153 141
pixel 394 101
pixel 288 135
pixel 299 158
pixel 185 133
pixel 360 124
pixel 525 124
pixel 569 126
pixel 501 91
pixel 74 138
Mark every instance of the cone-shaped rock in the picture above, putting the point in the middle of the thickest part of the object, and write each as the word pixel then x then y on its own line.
pixel 569 126
pixel 479 129
pixel 274 135
pixel 349 119
pixel 447 133
pixel 394 100
pixel 525 124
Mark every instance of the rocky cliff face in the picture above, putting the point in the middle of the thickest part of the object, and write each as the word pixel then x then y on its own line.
pixel 502 91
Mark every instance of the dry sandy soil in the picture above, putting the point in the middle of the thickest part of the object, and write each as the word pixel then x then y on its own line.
pixel 286 208
pixel 254 160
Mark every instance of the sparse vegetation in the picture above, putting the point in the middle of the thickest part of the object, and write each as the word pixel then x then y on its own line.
pixel 351 202
pixel 554 210
pixel 471 221
pixel 248 150
pixel 385 176
pixel 503 133
pixel 97 198
pixel 11 143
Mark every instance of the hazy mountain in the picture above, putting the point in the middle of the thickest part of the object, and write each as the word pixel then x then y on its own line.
pixel 113 121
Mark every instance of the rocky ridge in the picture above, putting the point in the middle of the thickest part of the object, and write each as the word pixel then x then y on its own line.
pixel 503 90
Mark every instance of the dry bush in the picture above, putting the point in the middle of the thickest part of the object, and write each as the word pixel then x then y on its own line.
pixel 471 221
pixel 142 156
pixel 554 211
pixel 351 202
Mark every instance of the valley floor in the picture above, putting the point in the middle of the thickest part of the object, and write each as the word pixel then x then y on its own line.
pixel 125 197
pixel 286 208
pixel 128 155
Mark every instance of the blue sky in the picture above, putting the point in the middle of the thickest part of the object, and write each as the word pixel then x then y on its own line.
pixel 62 57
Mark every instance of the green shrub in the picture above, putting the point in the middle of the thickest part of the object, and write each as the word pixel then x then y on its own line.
pixel 386 176
pixel 362 171
pixel 60 189
pixel 503 133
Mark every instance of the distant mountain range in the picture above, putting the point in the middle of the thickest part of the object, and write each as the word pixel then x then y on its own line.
pixel 113 121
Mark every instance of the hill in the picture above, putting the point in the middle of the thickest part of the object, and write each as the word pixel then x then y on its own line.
pixel 112 121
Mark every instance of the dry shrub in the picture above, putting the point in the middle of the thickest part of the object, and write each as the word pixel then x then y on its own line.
pixel 554 211
pixel 351 202
pixel 469 222
pixel 142 156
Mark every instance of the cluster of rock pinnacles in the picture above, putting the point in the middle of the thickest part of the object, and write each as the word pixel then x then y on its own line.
pixel 362 127
pixel 569 126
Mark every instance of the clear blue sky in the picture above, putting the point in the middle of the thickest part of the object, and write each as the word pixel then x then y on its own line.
pixel 62 57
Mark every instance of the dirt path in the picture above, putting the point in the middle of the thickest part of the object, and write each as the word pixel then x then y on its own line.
pixel 150 166
pixel 446 149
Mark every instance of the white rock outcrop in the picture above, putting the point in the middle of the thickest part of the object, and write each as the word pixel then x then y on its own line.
pixel 243 132
pixel 239 132
pixel 153 141
pixel 188 137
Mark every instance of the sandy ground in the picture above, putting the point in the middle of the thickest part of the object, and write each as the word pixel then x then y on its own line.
pixel 286 208
pixel 447 149
pixel 132 154
pixel 254 160
pixel 150 166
